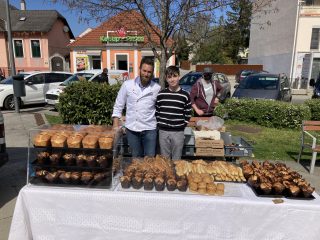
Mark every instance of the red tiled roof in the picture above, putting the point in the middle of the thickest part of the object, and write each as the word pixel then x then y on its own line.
pixel 130 20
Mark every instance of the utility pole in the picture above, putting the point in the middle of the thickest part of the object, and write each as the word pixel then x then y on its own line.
pixel 12 71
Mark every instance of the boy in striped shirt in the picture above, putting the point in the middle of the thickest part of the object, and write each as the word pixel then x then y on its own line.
pixel 173 111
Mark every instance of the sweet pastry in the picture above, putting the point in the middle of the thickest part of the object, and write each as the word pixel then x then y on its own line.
pixel 202 191
pixel 75 177
pixel 159 183
pixel 69 159
pixel 148 184
pixel 266 187
pixel 58 140
pixel 278 187
pixel 171 184
pixel 125 181
pixel 91 160
pixel 65 177
pixel 105 142
pixel 55 158
pixel 182 185
pixel 137 182
pixel 52 177
pixel 42 157
pixel 98 177
pixel 86 177
pixel 193 186
pixel 75 141
pixel 42 139
pixel 90 141
pixel 81 160
pixel 102 161
pixel 41 173
pixel 294 190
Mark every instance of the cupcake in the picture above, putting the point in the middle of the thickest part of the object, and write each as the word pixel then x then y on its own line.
pixel 91 160
pixel 171 184
pixel 278 188
pixel 52 177
pixel 148 184
pixel 125 181
pixel 65 177
pixel 182 185
pixel 98 177
pixel 42 157
pixel 81 160
pixel 137 182
pixel 69 159
pixel 159 183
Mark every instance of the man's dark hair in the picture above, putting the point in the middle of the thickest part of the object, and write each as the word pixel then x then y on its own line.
pixel 172 70
pixel 148 61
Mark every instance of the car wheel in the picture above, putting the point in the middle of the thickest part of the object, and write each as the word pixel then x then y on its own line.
pixel 9 102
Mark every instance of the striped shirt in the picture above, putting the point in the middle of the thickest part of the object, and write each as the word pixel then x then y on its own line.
pixel 173 110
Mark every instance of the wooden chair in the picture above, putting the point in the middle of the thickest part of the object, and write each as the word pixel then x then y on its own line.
pixel 307 127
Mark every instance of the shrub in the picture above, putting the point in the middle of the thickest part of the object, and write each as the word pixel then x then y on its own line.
pixel 87 103
pixel 314 105
pixel 265 112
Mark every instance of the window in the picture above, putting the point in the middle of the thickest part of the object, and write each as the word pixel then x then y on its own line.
pixel 35 48
pixel 36 79
pixel 18 48
pixel 56 77
pixel 315 38
pixel 96 62
pixel 312 2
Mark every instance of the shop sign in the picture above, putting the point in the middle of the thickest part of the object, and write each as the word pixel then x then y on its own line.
pixel 105 39
pixel 82 63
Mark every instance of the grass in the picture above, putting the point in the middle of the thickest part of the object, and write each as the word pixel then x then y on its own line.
pixel 53 119
pixel 268 143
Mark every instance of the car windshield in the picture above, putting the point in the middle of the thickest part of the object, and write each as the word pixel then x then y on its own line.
pixel 9 80
pixel 189 79
pixel 260 82
pixel 247 73
pixel 75 78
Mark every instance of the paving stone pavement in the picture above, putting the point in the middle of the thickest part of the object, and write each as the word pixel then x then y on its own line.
pixel 13 174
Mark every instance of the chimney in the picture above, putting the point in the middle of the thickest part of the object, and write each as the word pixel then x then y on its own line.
pixel 23 5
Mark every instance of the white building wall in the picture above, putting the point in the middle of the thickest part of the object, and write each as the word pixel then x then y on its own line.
pixel 272 45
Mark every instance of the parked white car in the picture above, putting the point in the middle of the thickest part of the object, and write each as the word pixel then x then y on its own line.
pixel 36 83
pixel 114 76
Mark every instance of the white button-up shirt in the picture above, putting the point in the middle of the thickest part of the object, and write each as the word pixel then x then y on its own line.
pixel 140 105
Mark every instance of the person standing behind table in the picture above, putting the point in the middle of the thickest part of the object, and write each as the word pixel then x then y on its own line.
pixel 205 94
pixel 104 76
pixel 173 112
pixel 139 96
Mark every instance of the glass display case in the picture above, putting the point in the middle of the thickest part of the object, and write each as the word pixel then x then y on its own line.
pixel 73 156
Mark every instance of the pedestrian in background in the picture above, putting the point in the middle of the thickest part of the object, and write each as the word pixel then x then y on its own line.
pixel 139 96
pixel 173 112
pixel 205 94
pixel 104 76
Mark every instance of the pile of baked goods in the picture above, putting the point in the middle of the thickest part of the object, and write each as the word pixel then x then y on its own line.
pixel 73 177
pixel 218 170
pixel 152 173
pixel 268 178
pixel 62 136
pixel 203 183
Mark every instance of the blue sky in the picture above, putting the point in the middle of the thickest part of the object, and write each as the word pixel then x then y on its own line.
pixel 71 17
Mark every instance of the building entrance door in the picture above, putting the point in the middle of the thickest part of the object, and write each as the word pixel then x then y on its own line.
pixel 57 64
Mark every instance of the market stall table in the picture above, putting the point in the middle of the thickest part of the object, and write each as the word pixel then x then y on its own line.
pixel 71 213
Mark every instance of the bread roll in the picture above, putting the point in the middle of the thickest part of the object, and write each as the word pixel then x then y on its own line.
pixel 90 141
pixel 105 142
pixel 58 140
pixel 42 140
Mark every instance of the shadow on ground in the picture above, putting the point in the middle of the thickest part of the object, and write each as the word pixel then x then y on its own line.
pixel 305 160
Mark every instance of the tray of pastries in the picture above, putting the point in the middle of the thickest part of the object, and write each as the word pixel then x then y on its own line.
pixel 276 180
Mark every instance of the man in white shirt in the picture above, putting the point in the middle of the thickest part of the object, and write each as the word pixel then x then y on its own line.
pixel 139 96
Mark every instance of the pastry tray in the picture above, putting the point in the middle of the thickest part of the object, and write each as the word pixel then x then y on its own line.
pixel 63 149
pixel 230 190
pixel 259 193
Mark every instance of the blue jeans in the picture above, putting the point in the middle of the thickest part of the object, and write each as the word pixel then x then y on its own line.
pixel 142 143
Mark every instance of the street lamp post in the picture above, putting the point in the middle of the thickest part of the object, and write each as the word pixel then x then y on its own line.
pixel 11 56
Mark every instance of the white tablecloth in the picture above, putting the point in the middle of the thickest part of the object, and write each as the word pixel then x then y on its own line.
pixel 65 213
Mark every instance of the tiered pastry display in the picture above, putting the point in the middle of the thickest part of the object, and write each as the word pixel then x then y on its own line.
pixel 219 170
pixel 275 179
pixel 68 156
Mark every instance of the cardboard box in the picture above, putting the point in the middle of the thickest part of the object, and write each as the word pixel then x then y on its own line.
pixel 209 143
pixel 212 152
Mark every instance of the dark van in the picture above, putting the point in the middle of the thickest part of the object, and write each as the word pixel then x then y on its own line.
pixel 264 86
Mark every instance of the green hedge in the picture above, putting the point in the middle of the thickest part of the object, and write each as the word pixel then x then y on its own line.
pixel 314 105
pixel 87 103
pixel 265 112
